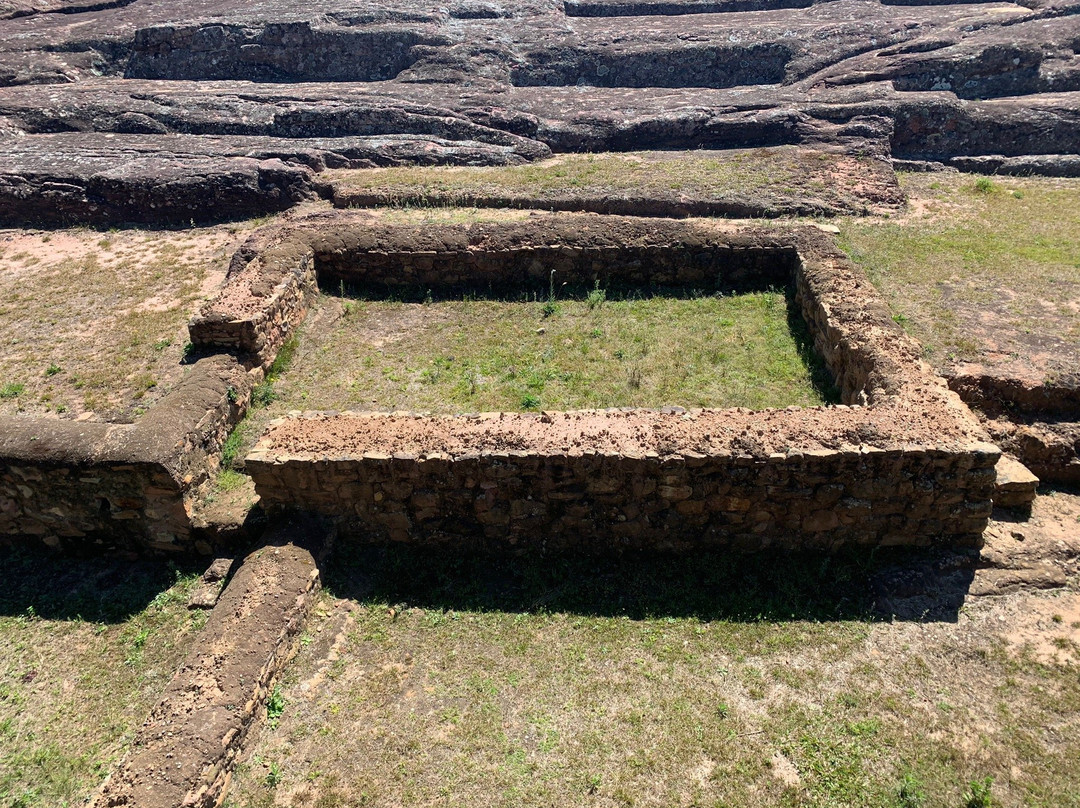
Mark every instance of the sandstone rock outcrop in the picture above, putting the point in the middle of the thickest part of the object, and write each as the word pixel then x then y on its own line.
pixel 982 85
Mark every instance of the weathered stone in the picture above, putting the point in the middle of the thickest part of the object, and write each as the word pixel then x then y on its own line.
pixel 205 712
pixel 1016 485
pixel 230 115
pixel 133 482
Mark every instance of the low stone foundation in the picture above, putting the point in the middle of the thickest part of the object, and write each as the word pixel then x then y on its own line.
pixel 84 486
pixel 1001 391
pixel 902 462
pixel 266 298
pixel 641 497
pixel 183 755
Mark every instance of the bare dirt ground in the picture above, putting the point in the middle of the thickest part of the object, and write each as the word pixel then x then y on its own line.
pixel 93 323
pixel 425 681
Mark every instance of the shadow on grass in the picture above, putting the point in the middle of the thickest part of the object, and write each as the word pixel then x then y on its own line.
pixel 99 590
pixel 820 378
pixel 536 291
pixel 707 586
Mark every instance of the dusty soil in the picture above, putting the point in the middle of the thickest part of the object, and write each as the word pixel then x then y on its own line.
pixel 1047 628
pixel 635 432
pixel 93 324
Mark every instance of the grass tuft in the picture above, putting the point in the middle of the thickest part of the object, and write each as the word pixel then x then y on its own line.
pixel 275 707
pixel 229 480
pixel 980 794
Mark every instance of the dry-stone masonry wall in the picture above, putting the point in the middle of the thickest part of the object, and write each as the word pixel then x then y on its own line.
pixel 85 486
pixel 590 499
pixel 903 464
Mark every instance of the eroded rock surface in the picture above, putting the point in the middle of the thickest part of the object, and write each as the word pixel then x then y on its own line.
pixel 484 82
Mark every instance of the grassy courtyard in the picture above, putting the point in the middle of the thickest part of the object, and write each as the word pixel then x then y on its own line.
pixel 482 355
pixel 591 351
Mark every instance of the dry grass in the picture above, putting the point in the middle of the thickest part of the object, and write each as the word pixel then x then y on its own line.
pixel 653 682
pixel 706 175
pixel 95 322
pixel 85 650
pixel 779 177
pixel 982 268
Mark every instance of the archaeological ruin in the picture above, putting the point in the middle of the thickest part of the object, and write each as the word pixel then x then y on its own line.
pixel 758 129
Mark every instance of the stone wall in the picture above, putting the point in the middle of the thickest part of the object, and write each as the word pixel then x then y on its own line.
pixel 260 307
pixel 520 257
pixel 1015 392
pixel 867 353
pixel 1032 417
pixel 184 754
pixel 817 499
pixel 85 486
pixel 902 462
pixel 96 503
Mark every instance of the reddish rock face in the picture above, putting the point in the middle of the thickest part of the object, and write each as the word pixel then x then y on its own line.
pixel 349 82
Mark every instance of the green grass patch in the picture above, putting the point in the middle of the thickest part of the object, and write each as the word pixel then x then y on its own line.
pixel 474 355
pixel 229 480
pixel 86 647
pixel 244 433
pixel 978 268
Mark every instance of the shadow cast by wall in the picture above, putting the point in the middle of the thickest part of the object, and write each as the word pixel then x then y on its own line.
pixel 100 590
pixel 709 586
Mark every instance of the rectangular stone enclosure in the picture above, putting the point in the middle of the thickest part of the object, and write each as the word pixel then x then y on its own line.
pixel 901 461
